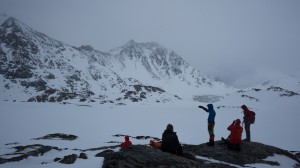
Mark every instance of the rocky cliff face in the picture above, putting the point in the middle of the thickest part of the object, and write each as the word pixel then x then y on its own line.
pixel 35 67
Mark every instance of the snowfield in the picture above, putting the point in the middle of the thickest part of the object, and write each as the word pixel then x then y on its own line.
pixel 95 125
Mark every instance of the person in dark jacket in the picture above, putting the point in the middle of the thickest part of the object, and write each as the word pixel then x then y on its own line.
pixel 211 123
pixel 170 142
pixel 234 139
pixel 127 143
pixel 247 122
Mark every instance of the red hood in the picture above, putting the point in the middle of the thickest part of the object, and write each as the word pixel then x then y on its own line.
pixel 245 108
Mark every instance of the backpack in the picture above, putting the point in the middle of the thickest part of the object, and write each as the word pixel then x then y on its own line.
pixel 252 117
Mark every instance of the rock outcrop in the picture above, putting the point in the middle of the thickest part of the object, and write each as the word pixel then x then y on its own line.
pixel 217 157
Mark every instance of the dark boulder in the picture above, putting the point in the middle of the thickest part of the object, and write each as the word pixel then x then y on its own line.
pixel 195 156
pixel 145 156
pixel 60 136
pixel 69 159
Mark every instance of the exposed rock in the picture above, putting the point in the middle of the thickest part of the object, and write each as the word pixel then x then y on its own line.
pixel 250 97
pixel 139 137
pixel 69 159
pixel 60 136
pixel 251 152
pixel 83 156
pixel 145 156
pixel 283 92
pixel 23 152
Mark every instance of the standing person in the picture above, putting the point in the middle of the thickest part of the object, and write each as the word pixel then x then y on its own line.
pixel 234 139
pixel 211 123
pixel 127 143
pixel 247 122
pixel 169 143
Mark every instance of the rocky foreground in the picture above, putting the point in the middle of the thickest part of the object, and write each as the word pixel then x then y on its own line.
pixel 195 156
pixel 145 156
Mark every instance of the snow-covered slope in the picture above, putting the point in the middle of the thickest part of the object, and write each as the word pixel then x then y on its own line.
pixel 156 65
pixel 21 123
pixel 35 67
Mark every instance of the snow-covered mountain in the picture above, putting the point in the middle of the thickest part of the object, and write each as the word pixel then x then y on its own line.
pixel 161 67
pixel 35 67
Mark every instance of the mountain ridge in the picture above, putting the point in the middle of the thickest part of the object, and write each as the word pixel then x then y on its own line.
pixel 44 69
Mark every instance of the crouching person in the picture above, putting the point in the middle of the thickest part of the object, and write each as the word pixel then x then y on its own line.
pixel 234 139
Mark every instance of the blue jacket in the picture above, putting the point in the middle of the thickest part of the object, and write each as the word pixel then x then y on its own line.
pixel 211 115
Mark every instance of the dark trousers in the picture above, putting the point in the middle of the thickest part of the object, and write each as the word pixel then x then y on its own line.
pixel 247 129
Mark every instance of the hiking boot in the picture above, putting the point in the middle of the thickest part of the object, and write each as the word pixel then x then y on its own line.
pixel 210 143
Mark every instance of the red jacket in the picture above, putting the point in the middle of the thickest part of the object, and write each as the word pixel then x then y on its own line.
pixel 247 114
pixel 236 131
pixel 127 143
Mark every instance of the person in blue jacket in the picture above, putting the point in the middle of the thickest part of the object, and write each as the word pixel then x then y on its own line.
pixel 211 123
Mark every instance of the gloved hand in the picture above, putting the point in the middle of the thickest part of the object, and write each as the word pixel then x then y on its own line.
pixel 200 106
pixel 233 122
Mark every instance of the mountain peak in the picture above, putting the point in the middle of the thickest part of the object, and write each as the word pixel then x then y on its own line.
pixel 148 45
pixel 129 43
pixel 86 47
pixel 45 60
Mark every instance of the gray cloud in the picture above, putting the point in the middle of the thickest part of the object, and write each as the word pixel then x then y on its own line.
pixel 237 41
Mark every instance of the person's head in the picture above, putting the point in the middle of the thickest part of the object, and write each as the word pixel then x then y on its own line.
pixel 169 127
pixel 126 138
pixel 237 122
pixel 244 107
pixel 210 106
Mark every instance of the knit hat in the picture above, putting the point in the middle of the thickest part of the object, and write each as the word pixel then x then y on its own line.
pixel 237 122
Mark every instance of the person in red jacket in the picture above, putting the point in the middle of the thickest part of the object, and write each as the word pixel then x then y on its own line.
pixel 234 139
pixel 247 122
pixel 127 143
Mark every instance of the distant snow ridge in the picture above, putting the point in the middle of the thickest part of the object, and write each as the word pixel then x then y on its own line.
pixel 35 67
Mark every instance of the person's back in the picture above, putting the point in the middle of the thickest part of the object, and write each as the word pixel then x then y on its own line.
pixel 235 133
pixel 170 142
pixel 247 122
pixel 211 114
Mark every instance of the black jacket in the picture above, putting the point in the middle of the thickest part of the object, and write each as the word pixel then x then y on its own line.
pixel 170 142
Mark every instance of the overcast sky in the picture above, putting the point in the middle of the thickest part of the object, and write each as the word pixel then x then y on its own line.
pixel 242 42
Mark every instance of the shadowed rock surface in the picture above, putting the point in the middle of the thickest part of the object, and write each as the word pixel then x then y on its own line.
pixel 57 136
pixel 145 156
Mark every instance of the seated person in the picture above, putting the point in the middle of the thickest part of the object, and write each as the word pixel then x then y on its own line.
pixel 127 143
pixel 169 143
pixel 234 139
